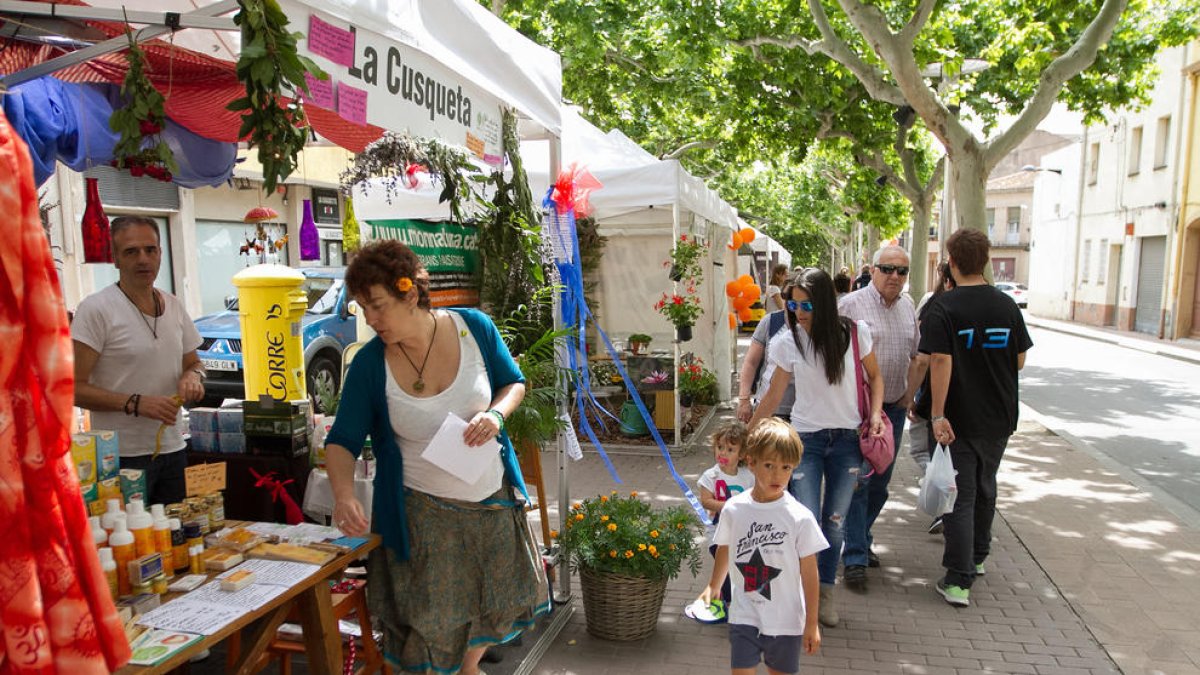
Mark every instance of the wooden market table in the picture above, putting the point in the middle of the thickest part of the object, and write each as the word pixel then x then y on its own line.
pixel 310 597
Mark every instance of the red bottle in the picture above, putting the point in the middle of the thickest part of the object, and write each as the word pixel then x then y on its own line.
pixel 97 243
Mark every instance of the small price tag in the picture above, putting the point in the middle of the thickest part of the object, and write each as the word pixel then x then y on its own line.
pixel 204 478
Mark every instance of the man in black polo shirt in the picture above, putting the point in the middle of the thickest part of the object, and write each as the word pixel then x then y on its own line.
pixel 976 339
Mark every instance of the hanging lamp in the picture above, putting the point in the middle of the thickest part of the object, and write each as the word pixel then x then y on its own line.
pixel 310 239
pixel 260 214
pixel 97 241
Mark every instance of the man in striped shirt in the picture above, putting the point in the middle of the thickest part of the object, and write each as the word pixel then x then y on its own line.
pixel 893 321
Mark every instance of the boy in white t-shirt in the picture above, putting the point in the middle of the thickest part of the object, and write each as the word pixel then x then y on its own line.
pixel 768 542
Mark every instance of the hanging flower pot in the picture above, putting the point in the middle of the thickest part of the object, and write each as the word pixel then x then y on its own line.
pixel 683 333
pixel 97 242
pixel 675 273
pixel 686 400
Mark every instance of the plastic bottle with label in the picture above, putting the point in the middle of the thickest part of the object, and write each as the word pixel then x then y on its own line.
pixel 121 542
pixel 141 525
pixel 99 536
pixel 109 565
pixel 106 520
pixel 179 549
pixel 162 538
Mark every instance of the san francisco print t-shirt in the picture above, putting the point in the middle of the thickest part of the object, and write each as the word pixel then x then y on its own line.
pixel 766 542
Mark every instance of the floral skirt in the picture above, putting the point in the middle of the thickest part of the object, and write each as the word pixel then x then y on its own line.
pixel 470 581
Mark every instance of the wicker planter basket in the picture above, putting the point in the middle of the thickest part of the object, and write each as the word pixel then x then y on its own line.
pixel 619 607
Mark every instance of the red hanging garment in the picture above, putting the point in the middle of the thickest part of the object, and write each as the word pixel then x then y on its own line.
pixel 56 614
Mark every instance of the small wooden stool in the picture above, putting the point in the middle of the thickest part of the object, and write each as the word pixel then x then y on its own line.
pixel 344 605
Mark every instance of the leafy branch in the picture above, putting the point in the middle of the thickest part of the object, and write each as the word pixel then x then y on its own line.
pixel 141 116
pixel 272 70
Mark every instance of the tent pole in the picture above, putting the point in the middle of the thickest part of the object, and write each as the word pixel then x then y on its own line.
pixel 562 588
pixel 675 342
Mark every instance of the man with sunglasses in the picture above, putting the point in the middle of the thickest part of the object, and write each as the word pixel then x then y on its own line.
pixel 893 321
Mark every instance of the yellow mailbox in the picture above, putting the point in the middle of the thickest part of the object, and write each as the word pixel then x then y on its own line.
pixel 271 304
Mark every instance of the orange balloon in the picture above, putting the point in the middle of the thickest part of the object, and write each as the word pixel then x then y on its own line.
pixel 732 321
pixel 744 280
pixel 745 315
pixel 742 302
pixel 732 289
pixel 753 293
pixel 748 235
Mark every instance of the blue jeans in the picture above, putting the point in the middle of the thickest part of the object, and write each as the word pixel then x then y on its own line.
pixel 831 455
pixel 869 497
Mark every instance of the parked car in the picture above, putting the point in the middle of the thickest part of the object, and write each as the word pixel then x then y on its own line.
pixel 1018 292
pixel 326 329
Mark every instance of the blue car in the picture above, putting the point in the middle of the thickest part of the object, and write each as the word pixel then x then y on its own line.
pixel 327 328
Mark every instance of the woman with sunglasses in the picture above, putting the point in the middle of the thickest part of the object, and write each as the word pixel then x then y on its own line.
pixel 816 354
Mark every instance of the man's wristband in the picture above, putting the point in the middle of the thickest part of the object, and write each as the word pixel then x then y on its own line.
pixel 201 372
pixel 498 415
pixel 937 419
pixel 743 398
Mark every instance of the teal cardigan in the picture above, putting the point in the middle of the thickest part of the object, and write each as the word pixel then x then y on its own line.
pixel 363 411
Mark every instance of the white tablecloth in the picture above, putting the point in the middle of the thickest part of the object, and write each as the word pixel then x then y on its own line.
pixel 318 496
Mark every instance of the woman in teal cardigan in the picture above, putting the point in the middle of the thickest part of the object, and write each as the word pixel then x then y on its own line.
pixel 457 569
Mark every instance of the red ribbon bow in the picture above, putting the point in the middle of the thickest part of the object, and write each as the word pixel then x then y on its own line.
pixel 571 190
pixel 293 514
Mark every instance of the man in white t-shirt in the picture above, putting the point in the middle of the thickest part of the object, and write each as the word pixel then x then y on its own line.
pixel 136 362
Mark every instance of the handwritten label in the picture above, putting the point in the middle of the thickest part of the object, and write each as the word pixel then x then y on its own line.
pixel 320 92
pixel 352 103
pixel 202 479
pixel 326 39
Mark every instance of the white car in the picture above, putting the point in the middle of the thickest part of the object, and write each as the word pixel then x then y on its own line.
pixel 1018 292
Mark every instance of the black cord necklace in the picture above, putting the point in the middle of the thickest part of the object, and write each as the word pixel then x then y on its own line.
pixel 419 384
pixel 157 309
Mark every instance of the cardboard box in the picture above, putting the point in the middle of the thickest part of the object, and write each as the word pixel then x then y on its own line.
pixel 266 406
pixel 229 420
pixel 133 484
pixel 233 444
pixel 108 453
pixel 83 456
pixel 91 498
pixel 203 421
pixel 110 488
pixel 275 425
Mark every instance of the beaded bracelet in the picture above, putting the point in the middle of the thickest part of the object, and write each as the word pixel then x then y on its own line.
pixel 499 417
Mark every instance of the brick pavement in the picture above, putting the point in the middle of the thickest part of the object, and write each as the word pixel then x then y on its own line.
pixel 1087 575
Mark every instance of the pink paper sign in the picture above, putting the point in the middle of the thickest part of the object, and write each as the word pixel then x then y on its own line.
pixel 326 39
pixel 320 92
pixel 352 103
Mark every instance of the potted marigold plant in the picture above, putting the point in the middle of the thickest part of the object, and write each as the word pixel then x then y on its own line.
pixel 625 551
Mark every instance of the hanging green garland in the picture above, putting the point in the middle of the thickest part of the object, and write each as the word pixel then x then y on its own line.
pixel 272 70
pixel 141 117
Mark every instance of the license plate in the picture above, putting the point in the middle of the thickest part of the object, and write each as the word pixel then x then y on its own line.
pixel 219 364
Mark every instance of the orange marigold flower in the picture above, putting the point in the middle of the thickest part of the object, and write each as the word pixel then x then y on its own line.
pixel 628 554
pixel 672 547
pixel 554 534
pixel 654 554
pixel 603 499
pixel 679 526
pixel 653 550
pixel 577 505
pixel 578 516
pixel 633 494
pixel 641 547
pixel 604 519
pixel 654 534
pixel 614 493
pixel 612 527
pixel 404 284
pixel 612 553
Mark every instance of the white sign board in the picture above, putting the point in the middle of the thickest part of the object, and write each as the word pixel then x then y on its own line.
pixel 377 80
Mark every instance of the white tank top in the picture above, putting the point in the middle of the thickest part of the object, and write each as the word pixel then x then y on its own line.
pixel 416 420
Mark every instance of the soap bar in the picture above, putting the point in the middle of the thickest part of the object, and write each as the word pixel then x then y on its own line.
pixel 220 559
pixel 237 581
pixel 188 583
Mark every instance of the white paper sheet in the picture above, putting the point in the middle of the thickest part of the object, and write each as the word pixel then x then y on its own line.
pixel 202 618
pixel 273 572
pixel 448 452
pixel 249 598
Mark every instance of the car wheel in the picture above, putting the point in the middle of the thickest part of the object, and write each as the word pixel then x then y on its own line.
pixel 323 370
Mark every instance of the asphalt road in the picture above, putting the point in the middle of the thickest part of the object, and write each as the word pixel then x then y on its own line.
pixel 1140 410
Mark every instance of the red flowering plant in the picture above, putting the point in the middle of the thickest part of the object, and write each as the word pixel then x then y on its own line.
pixel 685 259
pixel 696 383
pixel 680 310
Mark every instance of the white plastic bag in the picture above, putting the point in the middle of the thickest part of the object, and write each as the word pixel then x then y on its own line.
pixel 938 489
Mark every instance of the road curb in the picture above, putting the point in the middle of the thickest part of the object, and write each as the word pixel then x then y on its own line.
pixel 1139 344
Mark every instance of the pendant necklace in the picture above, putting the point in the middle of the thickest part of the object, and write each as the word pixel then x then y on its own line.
pixel 419 384
pixel 157 310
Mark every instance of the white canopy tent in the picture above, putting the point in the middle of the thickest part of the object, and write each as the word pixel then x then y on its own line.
pixel 645 204
pixel 766 254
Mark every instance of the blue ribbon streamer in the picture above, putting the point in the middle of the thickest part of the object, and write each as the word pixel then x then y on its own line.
pixel 575 312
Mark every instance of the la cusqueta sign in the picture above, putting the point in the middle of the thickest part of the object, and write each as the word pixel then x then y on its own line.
pixel 377 80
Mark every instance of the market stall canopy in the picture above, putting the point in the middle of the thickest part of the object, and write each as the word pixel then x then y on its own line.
pixel 634 180
pixel 764 244
pixel 439 68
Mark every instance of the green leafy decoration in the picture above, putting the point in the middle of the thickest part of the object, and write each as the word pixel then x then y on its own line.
pixel 272 70
pixel 141 117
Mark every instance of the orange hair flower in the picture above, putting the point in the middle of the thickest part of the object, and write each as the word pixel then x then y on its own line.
pixel 404 284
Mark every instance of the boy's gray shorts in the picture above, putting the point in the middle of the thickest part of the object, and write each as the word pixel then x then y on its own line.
pixel 748 648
